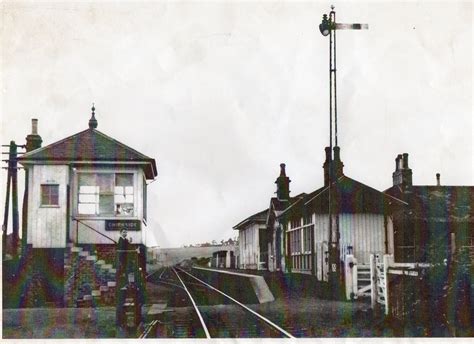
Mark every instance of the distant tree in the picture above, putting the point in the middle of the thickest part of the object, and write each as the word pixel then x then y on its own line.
pixel 214 243
pixel 203 261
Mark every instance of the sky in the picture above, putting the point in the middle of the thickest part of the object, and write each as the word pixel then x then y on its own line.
pixel 221 93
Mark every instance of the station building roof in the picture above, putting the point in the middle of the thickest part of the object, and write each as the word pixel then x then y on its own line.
pixel 444 203
pixel 259 217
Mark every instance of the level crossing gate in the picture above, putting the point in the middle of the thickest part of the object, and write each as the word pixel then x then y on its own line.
pixel 368 280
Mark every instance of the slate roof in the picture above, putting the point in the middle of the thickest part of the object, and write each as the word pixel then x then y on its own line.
pixel 349 196
pixel 259 217
pixel 90 145
pixel 281 205
pixel 438 203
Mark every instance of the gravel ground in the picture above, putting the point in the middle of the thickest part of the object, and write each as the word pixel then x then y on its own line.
pixel 301 316
pixel 313 317
pixel 59 323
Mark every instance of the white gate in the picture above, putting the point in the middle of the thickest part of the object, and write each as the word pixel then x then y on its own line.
pixel 378 275
pixel 357 277
pixel 368 280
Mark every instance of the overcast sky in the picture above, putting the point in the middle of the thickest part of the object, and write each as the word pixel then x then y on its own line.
pixel 221 93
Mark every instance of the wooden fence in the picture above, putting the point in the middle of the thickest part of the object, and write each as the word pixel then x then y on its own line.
pixel 433 297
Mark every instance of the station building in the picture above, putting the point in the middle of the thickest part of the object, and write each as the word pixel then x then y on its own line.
pixel 297 231
pixel 253 250
pixel 80 193
pixel 437 223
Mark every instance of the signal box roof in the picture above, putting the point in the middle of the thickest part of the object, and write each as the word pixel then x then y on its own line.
pixel 90 146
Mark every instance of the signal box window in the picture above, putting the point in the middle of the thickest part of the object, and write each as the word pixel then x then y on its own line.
pixel 106 194
pixel 49 195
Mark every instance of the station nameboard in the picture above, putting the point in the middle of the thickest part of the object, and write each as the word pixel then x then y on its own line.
pixel 118 225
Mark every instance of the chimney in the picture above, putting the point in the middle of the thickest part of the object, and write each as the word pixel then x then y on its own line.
pixel 283 185
pixel 403 174
pixel 327 166
pixel 338 165
pixel 438 182
pixel 33 140
pixel 34 126
pixel 397 162
pixel 405 160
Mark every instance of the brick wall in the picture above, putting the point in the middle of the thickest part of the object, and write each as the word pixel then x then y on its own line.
pixel 41 280
pixel 105 252
pixel 81 276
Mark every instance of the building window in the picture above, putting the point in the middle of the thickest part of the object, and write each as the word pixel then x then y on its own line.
pixel 307 239
pixel 49 195
pixel 123 194
pixel 300 248
pixel 295 223
pixel 106 194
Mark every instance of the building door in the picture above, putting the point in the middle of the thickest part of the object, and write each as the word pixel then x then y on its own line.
pixel 263 246
pixel 325 260
pixel 68 213
pixel 278 248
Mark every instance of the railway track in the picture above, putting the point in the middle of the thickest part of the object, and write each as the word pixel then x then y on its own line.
pixel 211 313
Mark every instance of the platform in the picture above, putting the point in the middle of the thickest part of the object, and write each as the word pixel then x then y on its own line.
pixel 260 287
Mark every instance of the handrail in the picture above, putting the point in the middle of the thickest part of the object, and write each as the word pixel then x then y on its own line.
pixel 85 224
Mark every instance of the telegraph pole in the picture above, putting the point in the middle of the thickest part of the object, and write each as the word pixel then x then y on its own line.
pixel 12 183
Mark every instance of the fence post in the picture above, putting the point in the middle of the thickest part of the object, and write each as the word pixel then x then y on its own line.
pixel 355 278
pixel 373 283
pixel 387 260
pixel 349 265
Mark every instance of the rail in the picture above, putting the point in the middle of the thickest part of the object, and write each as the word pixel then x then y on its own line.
pixel 148 329
pixel 91 228
pixel 287 334
pixel 208 336
pixel 161 280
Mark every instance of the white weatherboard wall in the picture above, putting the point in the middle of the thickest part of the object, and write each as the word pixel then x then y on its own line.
pixel 249 247
pixel 364 232
pixel 47 224
pixel 88 236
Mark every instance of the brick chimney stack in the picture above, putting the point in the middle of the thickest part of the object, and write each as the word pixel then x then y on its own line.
pixel 403 174
pixel 338 165
pixel 33 140
pixel 327 165
pixel 283 185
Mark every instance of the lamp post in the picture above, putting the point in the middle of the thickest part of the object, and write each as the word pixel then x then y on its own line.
pixel 328 27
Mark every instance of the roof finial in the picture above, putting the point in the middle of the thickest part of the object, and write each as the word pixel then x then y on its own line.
pixel 93 122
